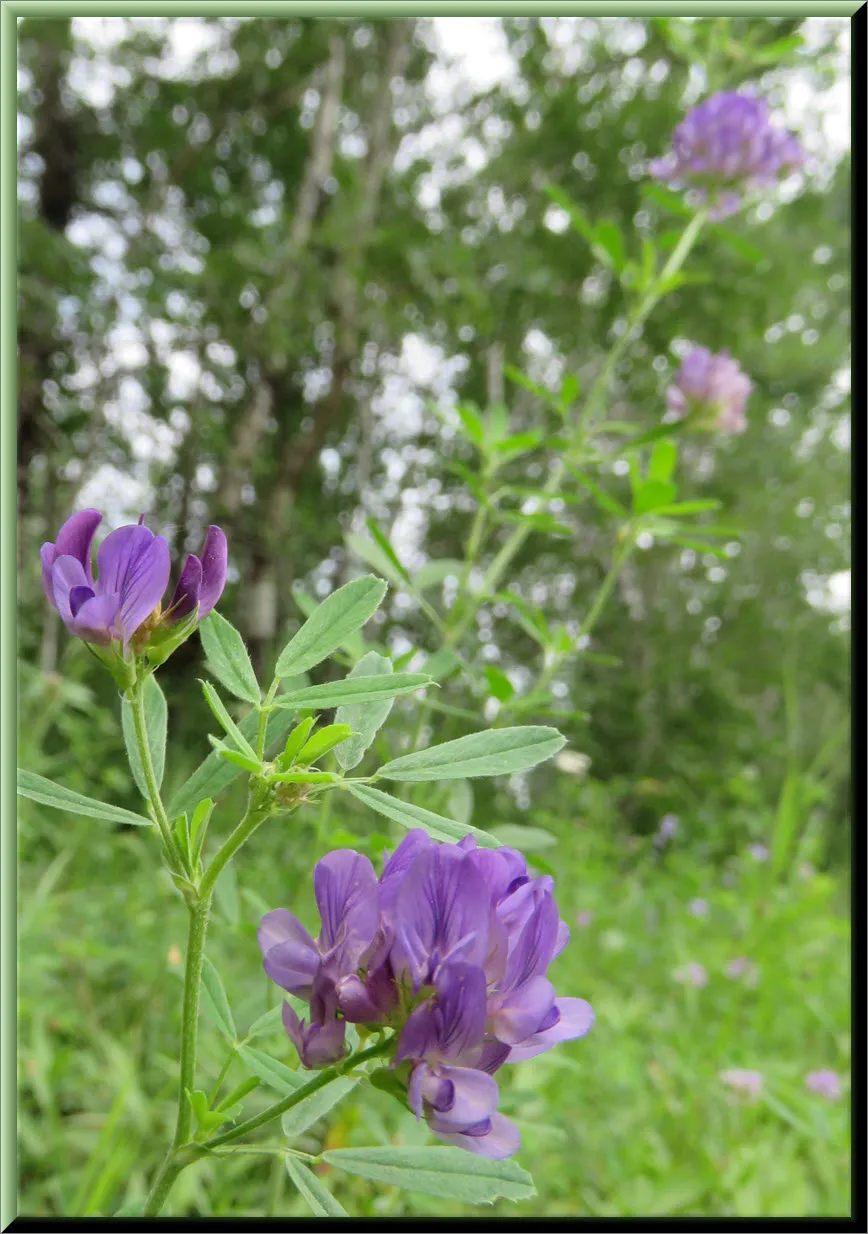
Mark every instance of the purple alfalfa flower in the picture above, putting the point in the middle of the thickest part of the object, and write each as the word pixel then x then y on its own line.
pixel 443 1039
pixel 747 1083
pixel 825 1083
pixel 202 579
pixel 698 907
pixel 758 852
pixel 666 831
pixel 133 571
pixel 711 390
pixel 322 1041
pixel 725 147
pixel 441 912
pixel 346 892
pixel 692 974
pixel 584 918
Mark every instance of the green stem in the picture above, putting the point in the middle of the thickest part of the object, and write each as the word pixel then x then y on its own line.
pixel 231 845
pixel 596 395
pixel 280 1107
pixel 172 1166
pixel 264 713
pixel 155 801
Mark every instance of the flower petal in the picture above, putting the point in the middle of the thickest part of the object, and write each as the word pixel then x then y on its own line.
pixel 94 621
pixel 474 1097
pixel 185 597
pixel 76 536
pixel 532 951
pixel 502 1139
pixel 293 966
pixel 214 558
pixel 280 926
pixel 575 1019
pixel 135 564
pixel 396 866
pixel 347 895
pixel 443 902
pixel 67 573
pixel 48 556
pixel 522 1011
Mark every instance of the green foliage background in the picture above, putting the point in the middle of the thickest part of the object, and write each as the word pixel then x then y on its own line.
pixel 226 261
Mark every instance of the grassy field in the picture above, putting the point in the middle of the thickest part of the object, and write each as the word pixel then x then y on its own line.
pixel 693 971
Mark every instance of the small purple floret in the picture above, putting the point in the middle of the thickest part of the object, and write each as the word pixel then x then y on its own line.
pixel 713 389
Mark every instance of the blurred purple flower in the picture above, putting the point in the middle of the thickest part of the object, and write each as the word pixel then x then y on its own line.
pixel 742 967
pixel 449 949
pixel 713 389
pixel 749 1083
pixel 824 1083
pixel 584 918
pixel 667 830
pixel 759 852
pixel 725 147
pixel 698 908
pixel 691 974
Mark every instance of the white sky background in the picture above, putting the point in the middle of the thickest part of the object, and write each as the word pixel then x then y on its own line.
pixel 475 55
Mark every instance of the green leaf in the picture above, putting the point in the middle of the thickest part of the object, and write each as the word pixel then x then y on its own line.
pixel 666 200
pixel 471 421
pixel 322 1202
pixel 155 724
pixel 546 523
pixel 213 775
pixel 526 839
pixel 779 50
pixel 340 615
pixel 228 659
pixel 499 684
pixel 449 1173
pixel 654 434
pixel 698 546
pixel 570 390
pixel 497 752
pixel 271 1072
pixel 661 465
pixel 244 1089
pixel 518 443
pixel 214 701
pixel 376 557
pixel 323 741
pixel 520 379
pixel 602 498
pixel 47 793
pixel 690 507
pixel 739 245
pixel 410 816
pixel 317 1105
pixel 433 573
pixel 383 541
pixel 609 244
pixel 206 1119
pixel 270 1022
pixel 304 777
pixel 461 801
pixel 294 742
pixel 199 827
pixel 364 719
pixel 215 1000
pixel 652 495
pixel 373 688
pixel 441 664
pixel 252 765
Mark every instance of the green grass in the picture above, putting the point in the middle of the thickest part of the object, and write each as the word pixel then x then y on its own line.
pixel 632 1120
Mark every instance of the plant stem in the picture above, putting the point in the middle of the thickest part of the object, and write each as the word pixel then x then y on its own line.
pixel 596 394
pixel 242 833
pixel 154 799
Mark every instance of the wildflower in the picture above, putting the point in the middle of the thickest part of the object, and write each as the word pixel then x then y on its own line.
pixel 711 390
pixel 748 1083
pixel 123 603
pixel 824 1083
pixel 759 852
pixel 691 974
pixel 449 949
pixel 666 831
pixel 698 908
pixel 742 967
pixel 725 147
pixel 584 918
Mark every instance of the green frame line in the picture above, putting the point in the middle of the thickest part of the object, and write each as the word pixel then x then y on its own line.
pixel 10 12
pixel 433 8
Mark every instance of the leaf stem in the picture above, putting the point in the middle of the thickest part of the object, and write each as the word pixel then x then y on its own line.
pixel 155 801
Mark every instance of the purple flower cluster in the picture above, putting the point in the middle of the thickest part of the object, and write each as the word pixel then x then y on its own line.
pixel 711 387
pixel 133 575
pixel 449 948
pixel 725 147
